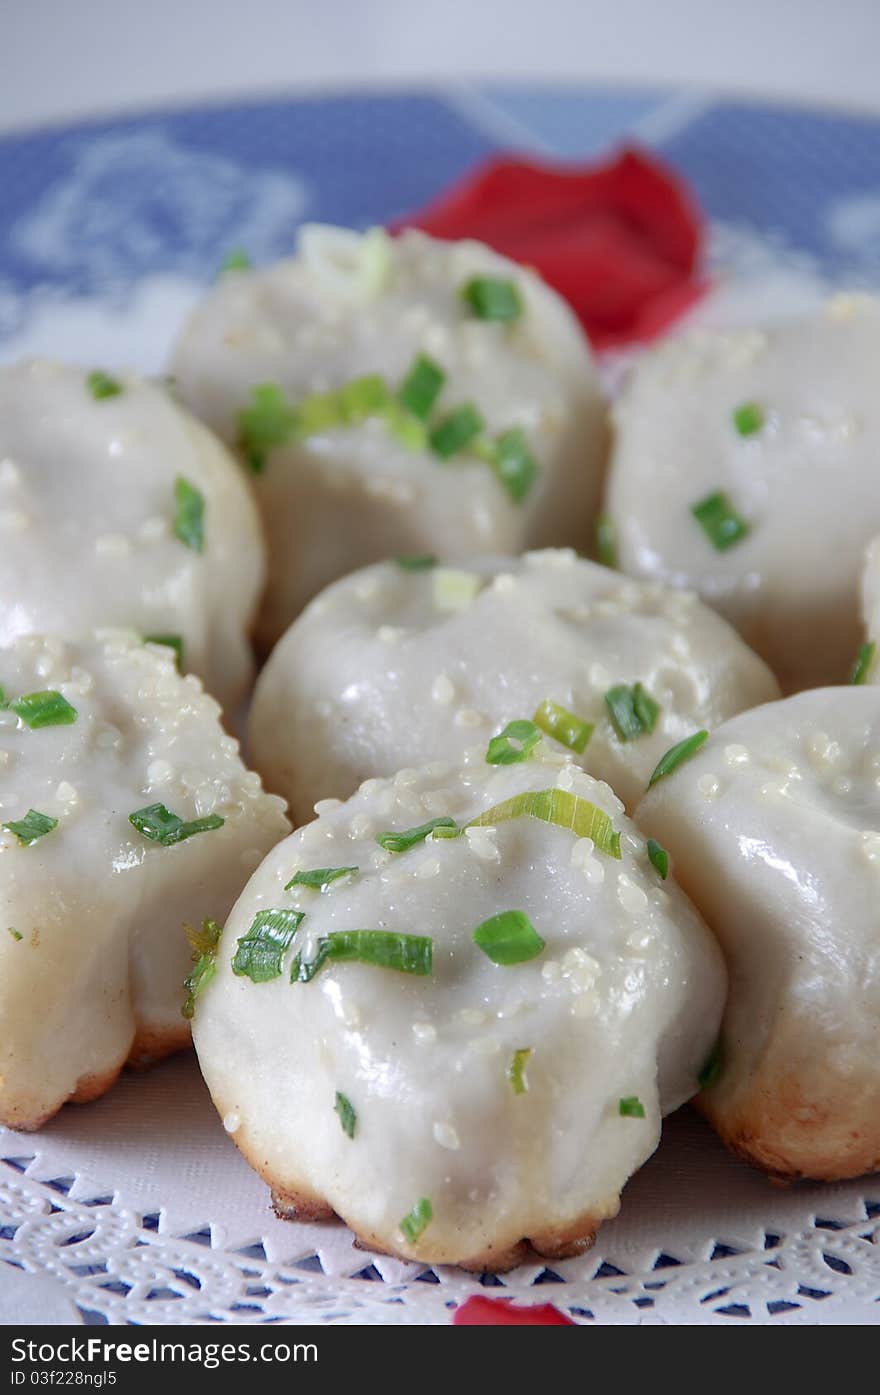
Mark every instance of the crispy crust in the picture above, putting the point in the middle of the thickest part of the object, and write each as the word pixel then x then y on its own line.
pixel 153 1044
pixel 149 1046
pixel 562 1242
pixel 774 1124
pixel 87 1088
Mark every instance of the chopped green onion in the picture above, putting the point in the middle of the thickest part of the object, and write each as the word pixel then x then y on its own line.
pixel 101 385
pixel 32 827
pixel 236 259
pixel 16 934
pixel 270 420
pixel 320 411
pixel 320 877
pixel 559 807
pixel 189 514
pixel 204 944
pixel 493 298
pixel 456 431
pixel 407 429
pixel 347 1116
pixel 386 949
pixel 720 522
pixel 748 418
pixel 420 563
pixel 261 950
pixel 422 386
pixel 633 711
pixel 363 397
pixel 46 709
pixel 711 1071
pixel 508 938
pixel 514 463
pixel 863 664
pixel 402 842
pixel 416 1223
pixel 161 826
pixel 455 589
pixel 659 858
pixel 631 1107
pixel 174 642
pixel 606 540
pixel 514 744
pixel 516 1071
pixel 3 701
pixel 563 725
pixel 677 754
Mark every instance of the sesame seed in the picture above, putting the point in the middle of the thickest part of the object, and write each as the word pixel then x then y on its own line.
pixel 231 1122
pixel 446 1136
pixel 425 1033
pixel 468 717
pixel 326 806
pixel 442 689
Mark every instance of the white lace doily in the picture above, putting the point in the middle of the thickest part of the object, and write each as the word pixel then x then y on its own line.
pixel 143 1209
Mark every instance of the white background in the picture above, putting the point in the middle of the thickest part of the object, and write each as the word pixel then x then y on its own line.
pixel 63 58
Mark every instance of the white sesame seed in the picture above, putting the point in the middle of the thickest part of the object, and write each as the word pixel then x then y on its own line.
pixel 709 786
pixel 429 868
pixel 425 1033
pixel 67 793
pixel 446 1136
pixel 468 717
pixel 442 689
pixel 736 755
pixel 231 1122
pixel 326 806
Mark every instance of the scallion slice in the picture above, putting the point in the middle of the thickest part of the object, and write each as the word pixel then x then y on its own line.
pixel 385 949
pixel 633 711
pixel 631 1107
pixel 711 1070
pixel 748 418
pixel 261 950
pixel 456 431
pixel 270 420
pixel 407 838
pixel 606 540
pixel 563 726
pixel 677 754
pixel 320 878
pixel 346 1111
pixel 422 386
pixel 16 934
pixel 863 664
pixel 236 259
pixel 659 858
pixel 414 1225
pixel 45 709
pixel 363 397
pixel 32 827
pixel 493 298
pixel 320 411
pixel 508 938
pixel 719 520
pixel 174 642
pixel 101 385
pixel 204 944
pixel 514 463
pixel 514 744
pixel 422 562
pixel 189 514
pixel 516 1071
pixel 559 807
pixel 405 428
pixel 161 826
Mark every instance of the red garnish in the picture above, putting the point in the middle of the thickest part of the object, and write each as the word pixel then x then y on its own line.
pixel 620 241
pixel 500 1312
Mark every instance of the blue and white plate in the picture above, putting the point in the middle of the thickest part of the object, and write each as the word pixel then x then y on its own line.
pixel 109 229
